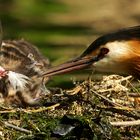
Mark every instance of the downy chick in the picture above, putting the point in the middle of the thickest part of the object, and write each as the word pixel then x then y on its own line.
pixel 22 59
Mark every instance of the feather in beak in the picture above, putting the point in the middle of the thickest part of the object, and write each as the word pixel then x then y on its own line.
pixel 18 81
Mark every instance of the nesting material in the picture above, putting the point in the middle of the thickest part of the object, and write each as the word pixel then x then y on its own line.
pixel 100 106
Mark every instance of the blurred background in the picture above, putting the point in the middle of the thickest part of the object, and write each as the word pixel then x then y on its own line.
pixel 62 29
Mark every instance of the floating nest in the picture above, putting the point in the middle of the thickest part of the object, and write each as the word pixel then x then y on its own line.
pixel 106 109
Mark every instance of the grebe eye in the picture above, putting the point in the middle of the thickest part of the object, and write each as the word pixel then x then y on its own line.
pixel 104 51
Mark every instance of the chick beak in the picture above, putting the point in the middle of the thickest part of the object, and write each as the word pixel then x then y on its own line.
pixel 76 64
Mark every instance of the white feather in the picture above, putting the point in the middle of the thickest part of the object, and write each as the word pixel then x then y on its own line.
pixel 18 81
pixel 2 69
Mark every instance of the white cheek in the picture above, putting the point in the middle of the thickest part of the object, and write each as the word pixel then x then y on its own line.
pixel 117 50
pixel 111 62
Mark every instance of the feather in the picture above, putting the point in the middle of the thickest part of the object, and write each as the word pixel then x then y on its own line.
pixel 2 69
pixel 18 81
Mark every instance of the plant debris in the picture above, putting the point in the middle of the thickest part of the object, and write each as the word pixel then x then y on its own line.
pixel 106 109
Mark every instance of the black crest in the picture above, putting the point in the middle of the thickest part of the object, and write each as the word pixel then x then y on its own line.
pixel 120 35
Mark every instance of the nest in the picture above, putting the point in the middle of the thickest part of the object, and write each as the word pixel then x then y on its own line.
pixel 103 105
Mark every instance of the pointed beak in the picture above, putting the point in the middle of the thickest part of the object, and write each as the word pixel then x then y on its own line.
pixel 76 64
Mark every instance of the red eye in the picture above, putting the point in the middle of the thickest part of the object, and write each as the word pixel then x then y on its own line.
pixel 104 51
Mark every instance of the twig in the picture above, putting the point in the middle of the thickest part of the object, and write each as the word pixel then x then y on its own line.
pixel 8 111
pixel 17 128
pixel 122 108
pixel 135 95
pixel 42 109
pixel 129 112
pixel 106 99
pixel 124 79
pixel 31 110
pixel 126 123
pixel 74 91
